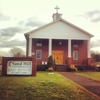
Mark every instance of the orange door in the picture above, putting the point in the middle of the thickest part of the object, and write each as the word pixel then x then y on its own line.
pixel 58 56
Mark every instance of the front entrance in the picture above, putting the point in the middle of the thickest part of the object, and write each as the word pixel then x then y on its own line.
pixel 58 56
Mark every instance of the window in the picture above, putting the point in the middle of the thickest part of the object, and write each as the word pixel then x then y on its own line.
pixel 38 54
pixel 39 42
pixel 75 43
pixel 75 55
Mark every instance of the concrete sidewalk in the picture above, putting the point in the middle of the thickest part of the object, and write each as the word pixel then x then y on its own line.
pixel 91 85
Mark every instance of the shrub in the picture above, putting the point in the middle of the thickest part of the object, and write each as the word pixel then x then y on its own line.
pixel 51 63
pixel 73 68
pixel 50 69
pixel 92 68
pixel 41 67
pixel 81 68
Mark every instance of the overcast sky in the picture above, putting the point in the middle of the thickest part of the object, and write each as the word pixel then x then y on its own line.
pixel 20 16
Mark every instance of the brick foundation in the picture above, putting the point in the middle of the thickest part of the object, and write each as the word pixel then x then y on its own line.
pixel 69 61
pixel 89 61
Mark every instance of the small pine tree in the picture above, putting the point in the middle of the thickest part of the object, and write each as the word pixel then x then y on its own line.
pixel 51 62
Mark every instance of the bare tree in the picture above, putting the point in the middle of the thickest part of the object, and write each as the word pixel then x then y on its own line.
pixel 17 52
pixel 95 56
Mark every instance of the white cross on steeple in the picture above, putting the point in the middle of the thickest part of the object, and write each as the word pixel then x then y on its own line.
pixel 57 9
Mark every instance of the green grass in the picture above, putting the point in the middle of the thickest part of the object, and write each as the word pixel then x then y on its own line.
pixel 91 75
pixel 42 87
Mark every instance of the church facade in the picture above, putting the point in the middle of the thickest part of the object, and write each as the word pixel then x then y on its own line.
pixel 67 43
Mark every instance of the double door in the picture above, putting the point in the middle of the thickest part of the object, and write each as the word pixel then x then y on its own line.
pixel 58 56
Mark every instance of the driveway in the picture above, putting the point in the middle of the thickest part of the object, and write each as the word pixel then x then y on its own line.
pixel 89 84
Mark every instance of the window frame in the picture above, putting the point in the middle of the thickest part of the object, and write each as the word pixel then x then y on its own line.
pixel 75 55
pixel 75 43
pixel 40 54
pixel 39 42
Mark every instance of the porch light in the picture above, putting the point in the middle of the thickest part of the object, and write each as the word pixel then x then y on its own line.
pixel 60 43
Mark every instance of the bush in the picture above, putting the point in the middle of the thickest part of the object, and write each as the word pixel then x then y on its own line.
pixel 81 68
pixel 50 69
pixel 72 68
pixel 41 67
pixel 92 68
pixel 51 63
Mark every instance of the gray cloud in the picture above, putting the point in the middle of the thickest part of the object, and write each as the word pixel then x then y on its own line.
pixel 93 16
pixel 21 22
pixel 12 43
pixel 23 26
pixel 91 13
pixel 8 33
pixel 95 43
pixel 3 17
pixel 11 31
pixel 15 43
pixel 96 19
pixel 31 22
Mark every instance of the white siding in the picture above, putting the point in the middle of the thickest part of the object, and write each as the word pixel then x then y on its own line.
pixel 59 30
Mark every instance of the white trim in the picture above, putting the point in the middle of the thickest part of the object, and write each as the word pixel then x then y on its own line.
pixel 38 44
pixel 30 47
pixel 39 56
pixel 62 21
pixel 75 45
pixel 75 55
pixel 88 49
pixel 50 47
pixel 69 48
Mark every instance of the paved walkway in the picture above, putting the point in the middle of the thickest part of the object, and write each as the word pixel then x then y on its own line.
pixel 91 85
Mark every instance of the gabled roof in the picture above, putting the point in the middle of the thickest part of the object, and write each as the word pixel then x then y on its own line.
pixel 28 33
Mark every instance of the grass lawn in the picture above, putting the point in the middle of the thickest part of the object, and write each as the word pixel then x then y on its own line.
pixel 91 75
pixel 42 87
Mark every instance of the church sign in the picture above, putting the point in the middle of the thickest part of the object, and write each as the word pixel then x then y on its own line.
pixel 19 68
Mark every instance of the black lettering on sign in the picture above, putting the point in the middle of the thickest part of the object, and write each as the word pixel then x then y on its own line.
pixel 26 63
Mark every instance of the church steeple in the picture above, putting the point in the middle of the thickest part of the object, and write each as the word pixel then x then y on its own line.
pixel 56 15
pixel 57 9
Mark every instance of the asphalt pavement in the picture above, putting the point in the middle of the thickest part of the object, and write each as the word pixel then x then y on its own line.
pixel 89 84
